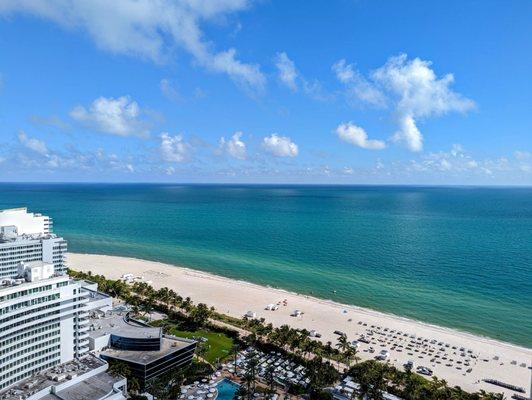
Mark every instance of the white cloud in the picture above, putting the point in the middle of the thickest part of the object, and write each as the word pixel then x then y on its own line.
pixel 287 70
pixel 148 29
pixel 408 133
pixel 417 90
pixel 355 135
pixel 411 88
pixel 235 147
pixel 174 148
pixel 119 116
pixel 348 170
pixel 457 161
pixel 280 146
pixel 417 93
pixel 522 155
pixel 357 85
pixel 248 75
pixel 33 144
pixel 41 158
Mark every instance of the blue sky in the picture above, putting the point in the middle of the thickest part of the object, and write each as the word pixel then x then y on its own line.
pixel 399 92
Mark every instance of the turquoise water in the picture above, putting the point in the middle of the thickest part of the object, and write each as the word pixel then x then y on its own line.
pixel 226 389
pixel 457 257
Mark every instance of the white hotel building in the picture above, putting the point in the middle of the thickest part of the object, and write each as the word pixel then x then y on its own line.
pixel 28 237
pixel 43 312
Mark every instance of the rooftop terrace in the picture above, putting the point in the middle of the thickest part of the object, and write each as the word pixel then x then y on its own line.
pixel 169 345
pixel 116 323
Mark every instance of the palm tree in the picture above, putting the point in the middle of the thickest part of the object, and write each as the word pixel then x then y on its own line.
pixel 235 349
pixel 270 377
pixel 343 345
pixel 186 304
pixel 377 382
pixel 251 372
pixel 355 352
pixel 328 349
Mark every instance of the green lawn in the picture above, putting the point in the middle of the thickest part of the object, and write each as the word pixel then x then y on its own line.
pixel 218 344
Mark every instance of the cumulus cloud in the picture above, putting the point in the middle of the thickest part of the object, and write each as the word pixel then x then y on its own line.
pixel 119 116
pixel 174 148
pixel 417 89
pixel 286 71
pixel 280 146
pixel 148 29
pixel 235 147
pixel 357 136
pixel 411 88
pixel 408 133
pixel 33 144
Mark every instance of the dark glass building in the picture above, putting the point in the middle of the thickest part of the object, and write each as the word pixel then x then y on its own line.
pixel 143 348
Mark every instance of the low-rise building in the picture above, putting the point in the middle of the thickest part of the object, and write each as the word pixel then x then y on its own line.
pixel 86 378
pixel 144 349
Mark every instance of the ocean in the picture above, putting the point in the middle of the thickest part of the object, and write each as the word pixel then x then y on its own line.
pixel 458 257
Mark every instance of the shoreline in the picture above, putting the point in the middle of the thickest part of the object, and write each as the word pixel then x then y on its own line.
pixel 331 302
pixel 235 297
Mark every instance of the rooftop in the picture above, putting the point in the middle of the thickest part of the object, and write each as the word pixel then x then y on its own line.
pixel 95 387
pixel 117 323
pixel 25 238
pixel 21 283
pixel 53 376
pixel 95 295
pixel 169 345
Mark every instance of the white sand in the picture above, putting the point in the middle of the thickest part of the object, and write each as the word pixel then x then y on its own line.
pixel 235 298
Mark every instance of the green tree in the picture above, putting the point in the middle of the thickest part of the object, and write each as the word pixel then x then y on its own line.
pixel 200 315
pixel 120 368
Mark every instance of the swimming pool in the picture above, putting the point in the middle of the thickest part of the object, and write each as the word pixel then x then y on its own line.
pixel 226 389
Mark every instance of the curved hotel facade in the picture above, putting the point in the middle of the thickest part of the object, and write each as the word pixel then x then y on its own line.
pixel 49 323
pixel 43 322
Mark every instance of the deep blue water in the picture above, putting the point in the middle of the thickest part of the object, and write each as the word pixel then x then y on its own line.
pixel 457 257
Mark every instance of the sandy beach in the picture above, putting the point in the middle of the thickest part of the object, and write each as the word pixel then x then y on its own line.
pixel 460 358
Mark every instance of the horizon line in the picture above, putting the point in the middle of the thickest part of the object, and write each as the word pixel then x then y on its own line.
pixel 428 185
